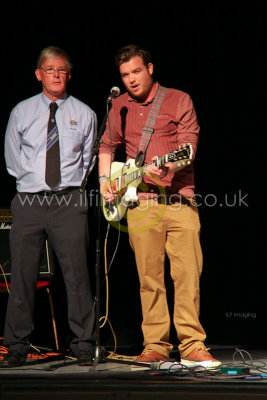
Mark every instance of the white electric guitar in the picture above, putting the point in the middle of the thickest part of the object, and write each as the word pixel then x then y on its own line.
pixel 125 177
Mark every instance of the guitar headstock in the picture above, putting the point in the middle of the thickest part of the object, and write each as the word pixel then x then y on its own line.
pixel 183 155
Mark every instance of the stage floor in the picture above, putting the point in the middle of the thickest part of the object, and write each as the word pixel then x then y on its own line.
pixel 58 377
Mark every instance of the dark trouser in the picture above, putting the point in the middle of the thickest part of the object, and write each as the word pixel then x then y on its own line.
pixel 63 220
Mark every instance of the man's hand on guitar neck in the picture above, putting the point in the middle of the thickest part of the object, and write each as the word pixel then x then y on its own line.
pixel 161 172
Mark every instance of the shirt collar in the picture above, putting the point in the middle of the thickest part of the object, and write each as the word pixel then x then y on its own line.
pixel 151 96
pixel 59 102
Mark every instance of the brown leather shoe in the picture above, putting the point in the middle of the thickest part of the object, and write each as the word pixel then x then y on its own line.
pixel 149 355
pixel 201 356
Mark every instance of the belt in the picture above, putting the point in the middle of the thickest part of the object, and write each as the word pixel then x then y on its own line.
pixel 170 200
pixel 55 192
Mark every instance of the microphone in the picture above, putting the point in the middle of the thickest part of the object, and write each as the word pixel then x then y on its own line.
pixel 114 92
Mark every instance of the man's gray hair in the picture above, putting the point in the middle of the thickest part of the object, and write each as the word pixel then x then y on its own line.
pixel 53 51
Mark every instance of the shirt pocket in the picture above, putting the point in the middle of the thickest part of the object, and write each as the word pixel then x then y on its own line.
pixel 165 124
pixel 71 142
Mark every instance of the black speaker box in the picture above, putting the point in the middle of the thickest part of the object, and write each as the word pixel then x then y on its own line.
pixel 46 268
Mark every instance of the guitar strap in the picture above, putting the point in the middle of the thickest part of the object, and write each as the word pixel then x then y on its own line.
pixel 148 129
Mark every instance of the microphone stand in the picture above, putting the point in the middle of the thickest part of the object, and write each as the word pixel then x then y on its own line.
pixel 98 352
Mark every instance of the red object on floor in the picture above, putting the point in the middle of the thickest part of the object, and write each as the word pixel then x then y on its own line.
pixel 5 286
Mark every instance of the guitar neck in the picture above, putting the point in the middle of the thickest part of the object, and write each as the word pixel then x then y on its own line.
pixel 140 172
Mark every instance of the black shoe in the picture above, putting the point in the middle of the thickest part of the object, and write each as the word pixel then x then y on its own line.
pixel 85 357
pixel 14 359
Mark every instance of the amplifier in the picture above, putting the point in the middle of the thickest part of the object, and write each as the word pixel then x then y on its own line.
pixel 46 268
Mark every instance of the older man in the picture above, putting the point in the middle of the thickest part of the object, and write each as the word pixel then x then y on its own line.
pixel 47 149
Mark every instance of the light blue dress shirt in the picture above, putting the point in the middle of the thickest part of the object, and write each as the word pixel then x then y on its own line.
pixel 26 136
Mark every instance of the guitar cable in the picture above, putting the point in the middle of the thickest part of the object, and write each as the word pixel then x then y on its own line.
pixel 5 279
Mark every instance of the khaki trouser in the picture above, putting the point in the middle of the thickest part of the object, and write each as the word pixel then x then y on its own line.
pixel 156 229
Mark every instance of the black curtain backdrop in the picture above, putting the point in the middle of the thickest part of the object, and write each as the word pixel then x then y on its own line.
pixel 215 52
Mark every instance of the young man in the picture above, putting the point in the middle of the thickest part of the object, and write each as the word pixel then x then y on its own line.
pixel 165 218
pixel 47 149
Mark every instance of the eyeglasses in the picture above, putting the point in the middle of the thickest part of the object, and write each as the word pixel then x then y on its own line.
pixel 50 70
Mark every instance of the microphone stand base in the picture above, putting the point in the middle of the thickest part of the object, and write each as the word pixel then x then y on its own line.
pixel 99 355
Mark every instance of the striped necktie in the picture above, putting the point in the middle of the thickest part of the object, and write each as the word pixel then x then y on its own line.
pixel 52 172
